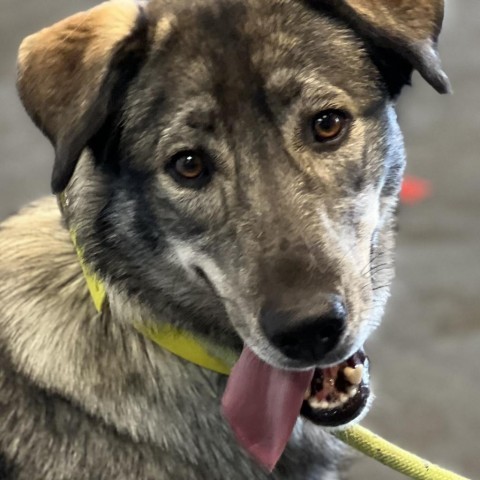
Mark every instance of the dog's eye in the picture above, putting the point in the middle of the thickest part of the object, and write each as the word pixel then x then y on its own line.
pixel 329 125
pixel 190 169
pixel 189 166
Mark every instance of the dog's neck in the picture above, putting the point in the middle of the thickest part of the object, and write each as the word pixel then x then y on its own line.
pixel 186 345
pixel 97 361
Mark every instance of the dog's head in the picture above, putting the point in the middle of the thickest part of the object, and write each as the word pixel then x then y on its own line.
pixel 236 164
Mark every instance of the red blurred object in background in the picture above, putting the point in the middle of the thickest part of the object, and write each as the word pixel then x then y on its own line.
pixel 415 190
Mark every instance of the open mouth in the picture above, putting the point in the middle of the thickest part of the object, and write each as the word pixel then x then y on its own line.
pixel 338 394
pixel 262 402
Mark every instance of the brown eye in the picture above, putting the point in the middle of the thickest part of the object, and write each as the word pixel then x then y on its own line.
pixel 329 125
pixel 190 169
pixel 189 166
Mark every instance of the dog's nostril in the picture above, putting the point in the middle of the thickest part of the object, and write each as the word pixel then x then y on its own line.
pixel 328 332
pixel 306 339
pixel 311 340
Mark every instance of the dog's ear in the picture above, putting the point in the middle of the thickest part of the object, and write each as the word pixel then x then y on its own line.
pixel 407 28
pixel 69 76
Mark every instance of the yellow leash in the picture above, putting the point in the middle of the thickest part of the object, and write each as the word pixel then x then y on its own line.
pixel 202 353
pixel 392 456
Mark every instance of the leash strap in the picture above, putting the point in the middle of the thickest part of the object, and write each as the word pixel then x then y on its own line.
pixel 392 456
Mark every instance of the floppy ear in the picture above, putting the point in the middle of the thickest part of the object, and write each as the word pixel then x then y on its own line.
pixel 69 76
pixel 410 28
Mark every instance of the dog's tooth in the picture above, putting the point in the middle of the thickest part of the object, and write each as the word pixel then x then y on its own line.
pixel 314 403
pixel 323 404
pixel 354 375
pixel 333 405
pixel 343 398
pixel 352 391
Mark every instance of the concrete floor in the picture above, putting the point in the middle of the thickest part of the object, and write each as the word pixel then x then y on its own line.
pixel 425 356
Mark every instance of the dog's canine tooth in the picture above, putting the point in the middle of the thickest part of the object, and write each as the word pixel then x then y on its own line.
pixel 343 398
pixel 354 375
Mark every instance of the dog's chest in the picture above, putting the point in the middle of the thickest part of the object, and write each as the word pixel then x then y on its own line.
pixel 187 425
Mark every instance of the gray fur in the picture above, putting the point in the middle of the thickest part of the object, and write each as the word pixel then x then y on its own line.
pixel 83 395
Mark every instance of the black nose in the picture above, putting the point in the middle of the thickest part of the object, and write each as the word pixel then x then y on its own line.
pixel 306 339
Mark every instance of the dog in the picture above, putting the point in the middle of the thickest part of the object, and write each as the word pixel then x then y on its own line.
pixel 229 169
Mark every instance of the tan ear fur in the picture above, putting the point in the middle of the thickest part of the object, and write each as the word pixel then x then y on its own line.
pixel 410 27
pixel 61 67
pixel 419 20
pixel 61 70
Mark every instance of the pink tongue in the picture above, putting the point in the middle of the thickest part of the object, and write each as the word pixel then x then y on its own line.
pixel 262 403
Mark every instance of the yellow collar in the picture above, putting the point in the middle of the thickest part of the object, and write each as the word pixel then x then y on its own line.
pixel 179 342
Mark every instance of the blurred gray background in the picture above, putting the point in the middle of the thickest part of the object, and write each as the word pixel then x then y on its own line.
pixel 425 357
